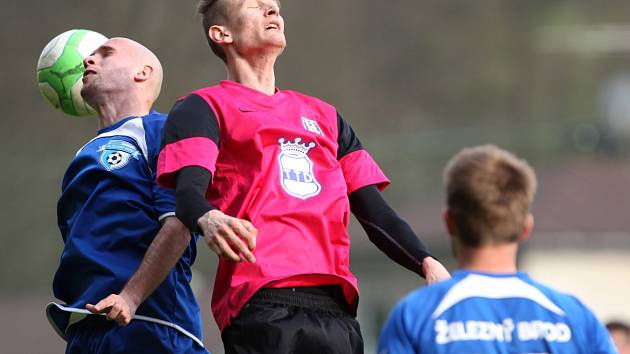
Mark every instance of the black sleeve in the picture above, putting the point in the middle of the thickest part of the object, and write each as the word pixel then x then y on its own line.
pixel 190 191
pixel 347 140
pixel 386 229
pixel 190 117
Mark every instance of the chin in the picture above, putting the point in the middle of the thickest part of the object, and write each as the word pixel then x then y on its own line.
pixel 283 41
pixel 278 40
pixel 280 45
pixel 274 49
pixel 88 92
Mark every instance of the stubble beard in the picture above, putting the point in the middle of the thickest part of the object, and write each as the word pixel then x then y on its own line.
pixel 89 93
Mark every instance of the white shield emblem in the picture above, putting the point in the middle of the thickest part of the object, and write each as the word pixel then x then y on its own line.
pixel 116 153
pixel 296 169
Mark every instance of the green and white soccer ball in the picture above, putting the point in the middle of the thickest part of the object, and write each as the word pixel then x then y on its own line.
pixel 60 69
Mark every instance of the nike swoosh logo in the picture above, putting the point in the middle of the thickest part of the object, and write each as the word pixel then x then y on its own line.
pixel 246 110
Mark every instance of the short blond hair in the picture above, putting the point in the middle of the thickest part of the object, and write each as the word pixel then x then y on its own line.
pixel 489 192
pixel 216 12
pixel 213 12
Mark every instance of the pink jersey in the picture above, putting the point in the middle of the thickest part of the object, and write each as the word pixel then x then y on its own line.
pixel 278 165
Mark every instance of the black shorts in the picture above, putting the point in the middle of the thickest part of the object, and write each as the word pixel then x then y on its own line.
pixel 294 320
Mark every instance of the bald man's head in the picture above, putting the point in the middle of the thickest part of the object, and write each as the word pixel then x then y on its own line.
pixel 119 68
pixel 144 59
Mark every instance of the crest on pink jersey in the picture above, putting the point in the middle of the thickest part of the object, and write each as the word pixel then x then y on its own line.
pixel 296 169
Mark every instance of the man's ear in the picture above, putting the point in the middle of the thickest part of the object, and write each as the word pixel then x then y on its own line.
pixel 449 222
pixel 143 74
pixel 219 35
pixel 527 228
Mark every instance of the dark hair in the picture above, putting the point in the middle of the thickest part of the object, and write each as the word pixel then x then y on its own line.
pixel 213 12
pixel 489 192
pixel 618 326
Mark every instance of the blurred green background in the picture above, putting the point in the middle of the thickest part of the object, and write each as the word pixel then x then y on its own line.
pixel 418 80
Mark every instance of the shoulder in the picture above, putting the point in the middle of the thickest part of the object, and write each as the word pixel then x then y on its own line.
pixel 414 313
pixel 154 122
pixel 426 299
pixel 203 99
pixel 204 92
pixel 197 103
pixel 309 100
pixel 575 310
pixel 567 302
pixel 153 127
pixel 154 118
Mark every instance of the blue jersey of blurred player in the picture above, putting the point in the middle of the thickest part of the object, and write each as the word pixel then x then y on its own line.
pixel 488 306
pixel 124 274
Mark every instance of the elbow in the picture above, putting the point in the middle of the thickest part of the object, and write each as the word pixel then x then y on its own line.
pixel 177 230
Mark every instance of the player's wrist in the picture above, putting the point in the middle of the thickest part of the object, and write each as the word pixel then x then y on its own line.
pixel 208 216
pixel 133 300
pixel 214 213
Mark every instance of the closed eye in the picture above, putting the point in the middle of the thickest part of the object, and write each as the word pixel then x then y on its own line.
pixel 105 50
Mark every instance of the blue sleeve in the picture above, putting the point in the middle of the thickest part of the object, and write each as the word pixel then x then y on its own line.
pixel 395 337
pixel 164 199
pixel 592 335
pixel 601 340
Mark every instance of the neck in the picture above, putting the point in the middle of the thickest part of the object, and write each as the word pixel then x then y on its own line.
pixel 114 109
pixel 257 73
pixel 488 258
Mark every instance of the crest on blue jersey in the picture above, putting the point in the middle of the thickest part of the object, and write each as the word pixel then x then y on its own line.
pixel 296 169
pixel 116 154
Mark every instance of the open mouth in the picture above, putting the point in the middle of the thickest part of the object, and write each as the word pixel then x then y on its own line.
pixel 272 26
pixel 88 72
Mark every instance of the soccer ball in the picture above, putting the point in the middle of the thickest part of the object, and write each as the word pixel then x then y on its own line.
pixel 115 158
pixel 60 69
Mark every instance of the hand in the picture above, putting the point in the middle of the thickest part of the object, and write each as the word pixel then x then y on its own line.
pixel 227 236
pixel 118 308
pixel 434 271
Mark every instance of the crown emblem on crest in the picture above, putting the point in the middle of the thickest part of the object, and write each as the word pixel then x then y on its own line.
pixel 295 147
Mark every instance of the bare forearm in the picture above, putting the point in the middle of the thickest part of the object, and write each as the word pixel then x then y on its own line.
pixel 163 253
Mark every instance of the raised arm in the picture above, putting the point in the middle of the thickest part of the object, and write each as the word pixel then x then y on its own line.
pixel 392 235
pixel 384 227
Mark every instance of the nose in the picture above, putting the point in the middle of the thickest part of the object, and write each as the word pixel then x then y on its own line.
pixel 273 10
pixel 89 60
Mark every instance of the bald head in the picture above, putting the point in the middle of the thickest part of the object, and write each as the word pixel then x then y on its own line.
pixel 146 65
pixel 121 71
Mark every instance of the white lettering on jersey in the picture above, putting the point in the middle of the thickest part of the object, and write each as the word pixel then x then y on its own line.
pixel 446 332
pixel 550 332
pixel 473 330
pixel 296 169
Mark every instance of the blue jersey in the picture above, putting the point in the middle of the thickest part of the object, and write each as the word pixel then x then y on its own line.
pixel 109 212
pixel 489 313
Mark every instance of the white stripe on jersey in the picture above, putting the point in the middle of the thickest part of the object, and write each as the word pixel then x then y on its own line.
pixel 133 128
pixel 475 285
